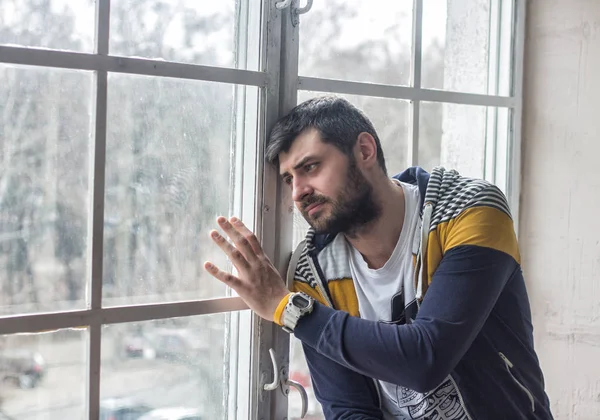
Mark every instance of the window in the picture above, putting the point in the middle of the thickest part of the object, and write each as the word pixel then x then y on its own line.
pixel 440 80
pixel 127 127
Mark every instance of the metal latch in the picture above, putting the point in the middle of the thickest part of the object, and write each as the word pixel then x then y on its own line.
pixel 296 10
pixel 281 381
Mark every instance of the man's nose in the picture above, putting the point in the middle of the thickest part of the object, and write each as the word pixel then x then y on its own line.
pixel 300 190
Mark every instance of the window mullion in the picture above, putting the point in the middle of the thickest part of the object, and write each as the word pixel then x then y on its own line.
pixel 277 59
pixel 40 322
pixel 277 210
pixel 129 65
pixel 98 172
pixel 401 92
pixel 242 202
pixel 417 47
pixel 491 141
pixel 514 153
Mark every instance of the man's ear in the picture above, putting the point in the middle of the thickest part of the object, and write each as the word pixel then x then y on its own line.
pixel 365 150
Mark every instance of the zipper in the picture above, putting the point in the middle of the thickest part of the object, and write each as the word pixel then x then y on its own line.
pixel 320 286
pixel 425 227
pixel 509 366
pixel 379 397
pixel 418 260
pixel 321 289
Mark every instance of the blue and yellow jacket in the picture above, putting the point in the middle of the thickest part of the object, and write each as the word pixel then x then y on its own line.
pixel 462 349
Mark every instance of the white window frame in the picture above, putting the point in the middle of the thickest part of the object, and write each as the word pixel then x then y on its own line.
pixel 279 84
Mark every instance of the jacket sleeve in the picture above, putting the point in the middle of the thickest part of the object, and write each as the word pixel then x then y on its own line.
pixel 343 393
pixel 463 290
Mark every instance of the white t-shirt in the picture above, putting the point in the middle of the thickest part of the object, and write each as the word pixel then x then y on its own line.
pixel 380 291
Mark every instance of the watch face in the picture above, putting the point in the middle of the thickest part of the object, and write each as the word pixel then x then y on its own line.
pixel 300 301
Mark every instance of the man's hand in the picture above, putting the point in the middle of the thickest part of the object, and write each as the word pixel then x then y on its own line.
pixel 259 283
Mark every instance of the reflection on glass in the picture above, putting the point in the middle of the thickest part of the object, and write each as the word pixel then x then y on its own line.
pixel 43 376
pixel 168 178
pixel 190 31
pixel 175 364
pixel 453 136
pixel 347 39
pixel 44 144
pixel 457 45
pixel 56 24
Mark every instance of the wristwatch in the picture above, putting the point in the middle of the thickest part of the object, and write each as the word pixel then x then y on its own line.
pixel 299 304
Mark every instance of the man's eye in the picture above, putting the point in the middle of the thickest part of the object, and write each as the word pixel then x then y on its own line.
pixel 287 180
pixel 310 167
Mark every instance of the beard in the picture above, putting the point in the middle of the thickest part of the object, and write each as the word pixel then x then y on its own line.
pixel 351 210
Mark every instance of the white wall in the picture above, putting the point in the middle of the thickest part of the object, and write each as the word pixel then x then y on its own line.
pixel 560 203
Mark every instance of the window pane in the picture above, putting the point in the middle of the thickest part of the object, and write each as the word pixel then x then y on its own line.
pixel 44 145
pixel 301 227
pixel 390 117
pixel 190 31
pixel 498 138
pixel 461 40
pixel 172 363
pixel 43 376
pixel 56 24
pixel 299 372
pixel 453 136
pixel 169 154
pixel 346 39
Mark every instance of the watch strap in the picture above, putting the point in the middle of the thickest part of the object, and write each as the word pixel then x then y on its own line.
pixel 279 311
pixel 290 317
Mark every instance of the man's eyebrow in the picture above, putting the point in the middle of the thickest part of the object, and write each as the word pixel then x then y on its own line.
pixel 300 164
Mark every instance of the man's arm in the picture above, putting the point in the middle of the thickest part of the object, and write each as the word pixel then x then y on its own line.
pixel 480 257
pixel 343 393
pixel 419 355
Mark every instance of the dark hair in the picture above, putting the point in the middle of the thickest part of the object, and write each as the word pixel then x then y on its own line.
pixel 338 121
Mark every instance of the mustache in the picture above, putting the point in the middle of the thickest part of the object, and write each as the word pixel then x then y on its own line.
pixel 313 199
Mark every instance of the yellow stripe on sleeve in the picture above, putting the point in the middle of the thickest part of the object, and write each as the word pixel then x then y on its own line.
pixel 481 226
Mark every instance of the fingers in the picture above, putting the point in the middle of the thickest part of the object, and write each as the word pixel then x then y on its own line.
pixel 232 252
pixel 227 278
pixel 248 234
pixel 241 236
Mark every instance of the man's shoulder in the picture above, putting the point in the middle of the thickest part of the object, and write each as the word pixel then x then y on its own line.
pixel 469 211
pixel 451 194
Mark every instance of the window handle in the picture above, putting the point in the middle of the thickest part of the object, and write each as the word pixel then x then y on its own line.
pixel 296 10
pixel 305 9
pixel 280 380
pixel 283 4
pixel 301 391
pixel 300 10
pixel 276 377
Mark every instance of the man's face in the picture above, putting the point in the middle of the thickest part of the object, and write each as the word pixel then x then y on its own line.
pixel 327 186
